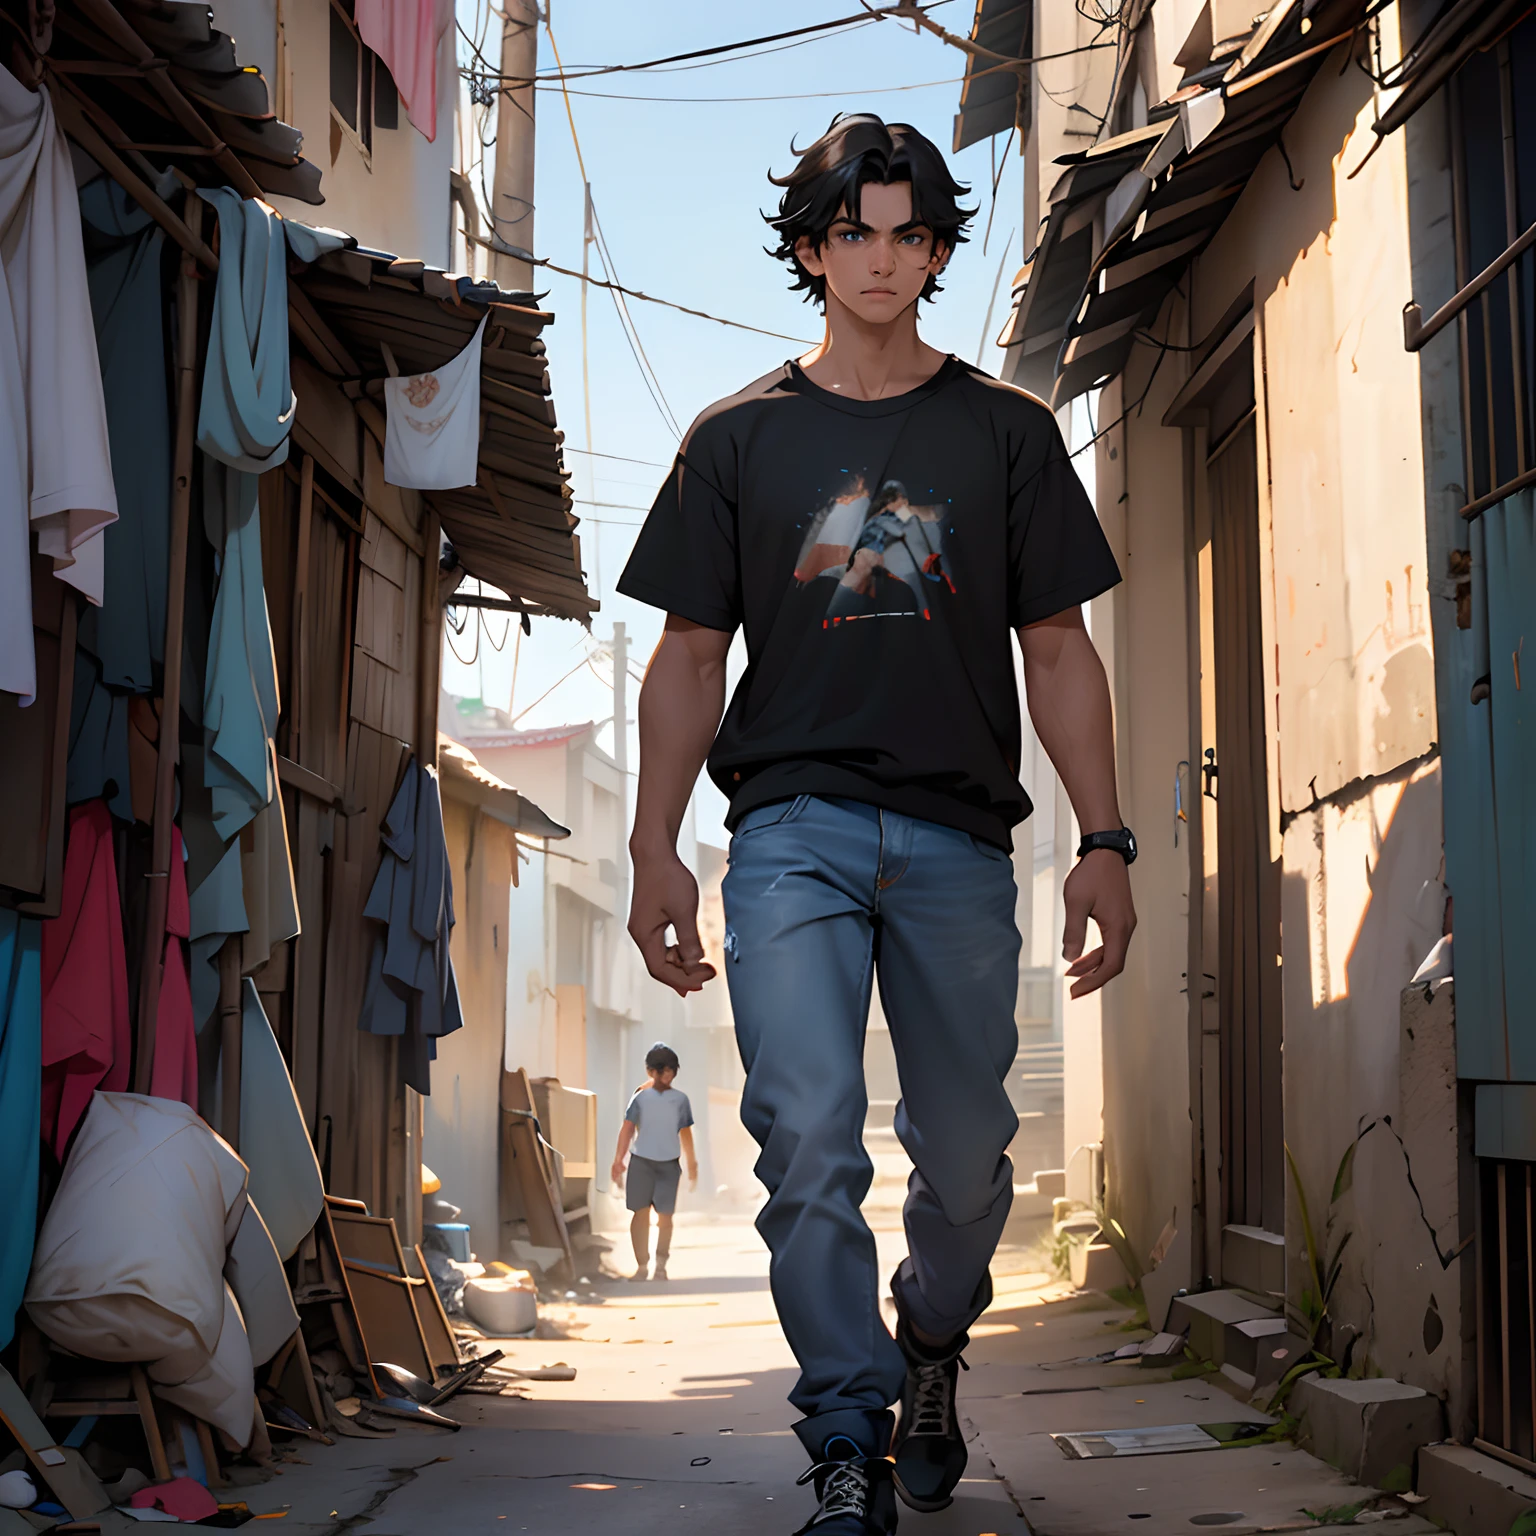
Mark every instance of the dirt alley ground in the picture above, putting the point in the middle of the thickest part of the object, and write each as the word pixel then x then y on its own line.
pixel 677 1422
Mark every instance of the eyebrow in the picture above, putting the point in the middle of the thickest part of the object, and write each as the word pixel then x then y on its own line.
pixel 869 229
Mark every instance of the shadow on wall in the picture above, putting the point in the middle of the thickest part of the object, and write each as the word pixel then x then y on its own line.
pixel 1362 904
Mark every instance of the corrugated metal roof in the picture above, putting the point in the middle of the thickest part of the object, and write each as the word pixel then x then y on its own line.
pixel 514 528
pixel 1161 194
pixel 990 99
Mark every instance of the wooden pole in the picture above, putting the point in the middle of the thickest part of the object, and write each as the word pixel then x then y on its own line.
pixel 298 650
pixel 230 1033
pixel 170 711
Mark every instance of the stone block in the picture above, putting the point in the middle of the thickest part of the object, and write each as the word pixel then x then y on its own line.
pixel 1253 1259
pixel 1470 1493
pixel 1244 1342
pixel 1370 1430
pixel 1206 1318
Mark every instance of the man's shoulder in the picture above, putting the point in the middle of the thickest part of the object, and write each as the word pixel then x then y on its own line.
pixel 1006 399
pixel 726 413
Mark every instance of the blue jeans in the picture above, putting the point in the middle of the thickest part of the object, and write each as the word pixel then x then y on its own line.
pixel 823 896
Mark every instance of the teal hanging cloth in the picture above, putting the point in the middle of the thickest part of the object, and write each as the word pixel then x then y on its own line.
pixel 248 401
pixel 244 421
pixel 243 425
pixel 21 1105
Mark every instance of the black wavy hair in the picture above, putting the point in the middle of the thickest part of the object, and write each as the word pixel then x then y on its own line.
pixel 855 150
pixel 659 1057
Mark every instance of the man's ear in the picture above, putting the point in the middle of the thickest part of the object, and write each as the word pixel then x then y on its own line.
pixel 940 258
pixel 808 254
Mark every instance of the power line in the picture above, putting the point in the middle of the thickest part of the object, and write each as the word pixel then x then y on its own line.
pixel 561 74
pixel 652 384
pixel 619 457
pixel 634 293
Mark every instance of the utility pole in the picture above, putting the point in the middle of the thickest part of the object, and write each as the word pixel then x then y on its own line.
pixel 511 211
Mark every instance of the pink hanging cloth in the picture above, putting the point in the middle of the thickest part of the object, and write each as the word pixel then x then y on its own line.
pixel 86 1039
pixel 174 1074
pixel 407 35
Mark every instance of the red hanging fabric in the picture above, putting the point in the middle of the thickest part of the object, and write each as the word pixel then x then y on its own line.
pixel 86 1040
pixel 174 1075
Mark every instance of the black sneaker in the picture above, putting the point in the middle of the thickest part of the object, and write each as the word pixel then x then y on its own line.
pixel 928 1450
pixel 856 1497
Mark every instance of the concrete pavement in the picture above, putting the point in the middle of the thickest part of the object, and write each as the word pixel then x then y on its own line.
pixel 677 1422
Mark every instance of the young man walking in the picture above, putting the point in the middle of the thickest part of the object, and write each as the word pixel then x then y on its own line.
pixel 878 518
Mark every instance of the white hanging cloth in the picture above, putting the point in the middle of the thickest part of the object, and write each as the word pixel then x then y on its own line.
pixel 55 465
pixel 433 438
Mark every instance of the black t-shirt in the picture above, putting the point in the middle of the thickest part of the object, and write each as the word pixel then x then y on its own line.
pixel 877 553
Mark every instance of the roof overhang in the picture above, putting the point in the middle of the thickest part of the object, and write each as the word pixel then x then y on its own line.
pixel 1109 258
pixel 466 780
pixel 514 528
pixel 991 97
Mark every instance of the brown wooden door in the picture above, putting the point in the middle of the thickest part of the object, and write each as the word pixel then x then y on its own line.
pixel 1248 879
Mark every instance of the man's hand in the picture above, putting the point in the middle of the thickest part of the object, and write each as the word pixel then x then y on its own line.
pixel 1100 888
pixel 693 1175
pixel 617 1172
pixel 666 893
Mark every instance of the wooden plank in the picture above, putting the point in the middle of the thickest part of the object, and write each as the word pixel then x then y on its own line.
pixel 76 1487
pixel 385 549
pixel 442 1346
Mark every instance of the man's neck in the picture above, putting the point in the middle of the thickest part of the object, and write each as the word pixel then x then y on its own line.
pixel 870 362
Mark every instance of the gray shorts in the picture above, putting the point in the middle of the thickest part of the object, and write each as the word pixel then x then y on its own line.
pixel 650 1183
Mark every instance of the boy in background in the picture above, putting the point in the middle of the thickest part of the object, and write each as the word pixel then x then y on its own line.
pixel 657 1133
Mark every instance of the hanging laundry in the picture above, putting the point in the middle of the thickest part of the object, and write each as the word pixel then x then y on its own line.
pixel 99 758
pixel 240 702
pixel 274 1141
pixel 432 436
pixel 87 1042
pixel 248 402
pixel 266 879
pixel 215 886
pixel 411 989
pixel 122 251
pixel 55 465
pixel 174 1073
pixel 407 35
pixel 21 1068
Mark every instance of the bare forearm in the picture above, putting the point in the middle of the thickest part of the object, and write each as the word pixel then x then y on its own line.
pixel 685 1140
pixel 626 1136
pixel 681 703
pixel 1069 705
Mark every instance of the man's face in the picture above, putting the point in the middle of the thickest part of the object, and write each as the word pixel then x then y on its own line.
pixel 662 1076
pixel 876 265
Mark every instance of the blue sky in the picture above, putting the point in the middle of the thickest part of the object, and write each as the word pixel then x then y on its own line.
pixel 680 187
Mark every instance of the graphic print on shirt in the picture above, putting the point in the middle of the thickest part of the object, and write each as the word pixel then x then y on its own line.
pixel 879 556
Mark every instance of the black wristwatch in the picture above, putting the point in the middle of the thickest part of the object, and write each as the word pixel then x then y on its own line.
pixel 1122 842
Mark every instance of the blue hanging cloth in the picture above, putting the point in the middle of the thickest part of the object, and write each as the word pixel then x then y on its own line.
pixel 411 990
pixel 21 1105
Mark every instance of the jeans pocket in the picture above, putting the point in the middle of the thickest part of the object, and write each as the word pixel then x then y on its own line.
pixel 989 850
pixel 762 817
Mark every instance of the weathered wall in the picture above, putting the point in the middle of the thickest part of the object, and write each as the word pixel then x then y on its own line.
pixel 1348 683
pixel 1355 693
pixel 1140 631
pixel 462 1114
pixel 394 200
